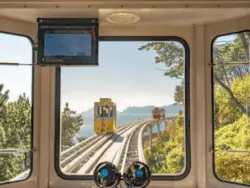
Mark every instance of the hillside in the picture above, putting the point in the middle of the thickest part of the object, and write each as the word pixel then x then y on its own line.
pixel 173 108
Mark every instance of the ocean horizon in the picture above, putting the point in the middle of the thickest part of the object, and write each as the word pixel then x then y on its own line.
pixel 87 129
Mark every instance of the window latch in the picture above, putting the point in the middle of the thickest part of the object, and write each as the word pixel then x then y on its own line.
pixel 16 152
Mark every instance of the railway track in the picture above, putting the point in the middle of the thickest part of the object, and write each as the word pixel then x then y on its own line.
pixel 68 152
pixel 131 150
pixel 78 159
pixel 114 149
pixel 68 155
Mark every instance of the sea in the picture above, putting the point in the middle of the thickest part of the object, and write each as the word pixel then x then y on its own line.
pixel 87 129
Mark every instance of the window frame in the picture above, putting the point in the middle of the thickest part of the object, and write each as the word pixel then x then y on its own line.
pixel 32 105
pixel 187 135
pixel 213 105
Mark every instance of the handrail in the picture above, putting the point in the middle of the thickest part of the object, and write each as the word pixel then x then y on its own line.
pixel 12 151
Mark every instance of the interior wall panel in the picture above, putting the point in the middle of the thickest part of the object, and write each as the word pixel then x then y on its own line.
pixel 40 138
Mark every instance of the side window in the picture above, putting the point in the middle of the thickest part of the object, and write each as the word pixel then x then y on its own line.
pixel 15 108
pixel 231 122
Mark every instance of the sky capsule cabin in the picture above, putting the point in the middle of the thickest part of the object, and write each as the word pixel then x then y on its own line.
pixel 156 113
pixel 196 51
pixel 105 116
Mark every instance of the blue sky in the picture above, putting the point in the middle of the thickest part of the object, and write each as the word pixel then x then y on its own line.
pixel 125 74
pixel 17 79
pixel 226 38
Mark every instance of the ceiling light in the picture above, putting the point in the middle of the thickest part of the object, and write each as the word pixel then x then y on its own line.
pixel 122 18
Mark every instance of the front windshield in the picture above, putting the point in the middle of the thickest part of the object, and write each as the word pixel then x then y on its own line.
pixel 105 111
pixel 138 77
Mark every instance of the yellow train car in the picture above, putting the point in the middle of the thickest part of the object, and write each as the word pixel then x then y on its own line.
pixel 104 116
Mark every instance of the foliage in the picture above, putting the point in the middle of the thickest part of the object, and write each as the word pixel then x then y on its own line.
pixel 3 100
pixel 15 124
pixel 70 125
pixel 232 125
pixel 18 123
pixel 167 155
pixel 172 54
pixel 225 53
pixel 15 131
pixel 227 110
pixel 234 136
pixel 233 166
pixel 179 94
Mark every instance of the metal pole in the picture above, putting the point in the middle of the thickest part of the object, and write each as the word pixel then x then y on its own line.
pixel 151 132
pixel 6 152
pixel 158 128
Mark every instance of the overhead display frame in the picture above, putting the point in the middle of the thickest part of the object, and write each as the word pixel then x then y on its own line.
pixel 67 41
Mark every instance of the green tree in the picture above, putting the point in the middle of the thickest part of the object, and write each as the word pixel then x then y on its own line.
pixel 172 54
pixel 233 166
pixel 226 110
pixel 167 155
pixel 70 125
pixel 230 97
pixel 16 123
pixel 232 51
pixel 15 131
pixel 179 94
pixel 3 103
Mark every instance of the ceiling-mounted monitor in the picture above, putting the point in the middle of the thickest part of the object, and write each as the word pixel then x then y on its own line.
pixel 67 41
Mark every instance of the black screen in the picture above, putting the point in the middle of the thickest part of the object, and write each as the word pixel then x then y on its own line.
pixel 67 44
pixel 67 41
